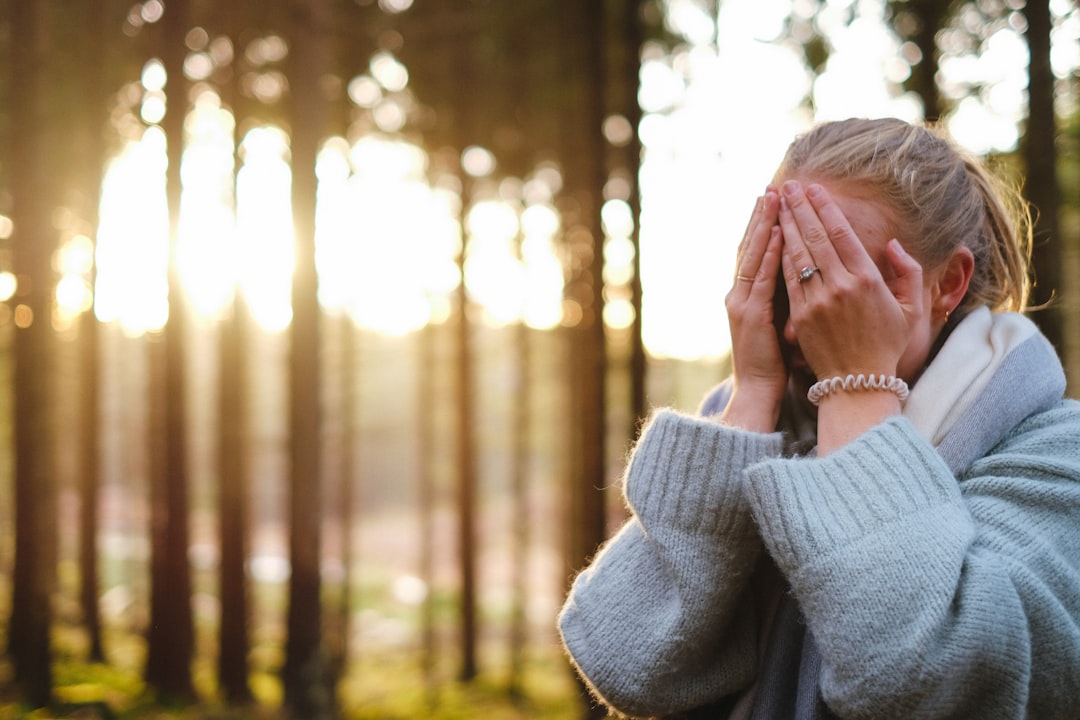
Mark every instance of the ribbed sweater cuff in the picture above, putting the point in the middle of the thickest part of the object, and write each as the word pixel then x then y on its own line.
pixel 686 472
pixel 806 508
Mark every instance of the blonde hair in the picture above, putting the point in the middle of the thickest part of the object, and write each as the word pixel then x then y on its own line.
pixel 943 198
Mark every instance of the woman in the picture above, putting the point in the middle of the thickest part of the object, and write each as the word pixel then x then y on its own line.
pixel 878 514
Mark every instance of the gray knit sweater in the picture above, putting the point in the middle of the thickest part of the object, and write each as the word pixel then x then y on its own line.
pixel 890 579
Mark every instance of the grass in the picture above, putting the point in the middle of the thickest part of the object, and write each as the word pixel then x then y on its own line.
pixel 385 678
pixel 381 683
pixel 384 690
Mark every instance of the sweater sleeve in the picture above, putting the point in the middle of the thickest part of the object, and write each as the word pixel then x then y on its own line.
pixel 928 597
pixel 654 625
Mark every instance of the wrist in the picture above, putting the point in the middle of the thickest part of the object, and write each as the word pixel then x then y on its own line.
pixel 843 416
pixel 755 412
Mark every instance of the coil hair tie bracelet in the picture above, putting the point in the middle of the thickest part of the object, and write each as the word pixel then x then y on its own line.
pixel 890 383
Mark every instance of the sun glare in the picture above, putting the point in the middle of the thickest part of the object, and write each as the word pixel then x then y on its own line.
pixel 132 253
pixel 207 251
pixel 542 304
pixel 386 239
pixel 385 242
pixel 388 234
pixel 494 274
pixel 707 156
pixel 264 236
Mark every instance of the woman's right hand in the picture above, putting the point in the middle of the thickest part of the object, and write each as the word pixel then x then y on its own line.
pixel 760 375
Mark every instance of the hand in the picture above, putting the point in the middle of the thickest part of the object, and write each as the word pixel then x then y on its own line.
pixel 847 319
pixel 759 372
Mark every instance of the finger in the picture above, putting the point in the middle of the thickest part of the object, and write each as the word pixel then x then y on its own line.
pixel 756 241
pixel 847 245
pixel 907 285
pixel 765 280
pixel 750 225
pixel 805 232
pixel 764 214
pixel 796 255
pixel 791 262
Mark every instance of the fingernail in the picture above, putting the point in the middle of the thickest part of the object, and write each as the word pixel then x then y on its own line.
pixel 790 187
pixel 814 191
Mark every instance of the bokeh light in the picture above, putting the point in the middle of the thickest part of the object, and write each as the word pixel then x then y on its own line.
pixel 8 285
pixel 477 161
pixel 388 237
pixel 389 72
pixel 264 259
pixel 132 252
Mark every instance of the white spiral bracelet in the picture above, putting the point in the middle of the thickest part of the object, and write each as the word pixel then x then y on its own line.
pixel 857 382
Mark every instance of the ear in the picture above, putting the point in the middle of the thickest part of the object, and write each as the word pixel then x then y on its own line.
pixel 951 282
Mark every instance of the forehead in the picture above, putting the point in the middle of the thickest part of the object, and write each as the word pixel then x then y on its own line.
pixel 870 217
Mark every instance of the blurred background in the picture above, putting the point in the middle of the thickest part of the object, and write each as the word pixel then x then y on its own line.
pixel 326 325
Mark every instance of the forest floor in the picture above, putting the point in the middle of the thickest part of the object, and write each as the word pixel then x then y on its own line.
pixel 379 689
pixel 390 675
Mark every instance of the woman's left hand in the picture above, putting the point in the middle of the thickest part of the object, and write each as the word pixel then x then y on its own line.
pixel 847 319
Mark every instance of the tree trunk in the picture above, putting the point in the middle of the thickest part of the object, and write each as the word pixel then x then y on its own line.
pixel 90 485
pixel 425 414
pixel 930 15
pixel 466 497
pixel 234 507
pixel 347 495
pixel 516 36
pixel 586 174
pixel 90 176
pixel 629 64
pixel 32 246
pixel 307 691
pixel 1040 155
pixel 235 482
pixel 170 641
pixel 465 134
pixel 519 492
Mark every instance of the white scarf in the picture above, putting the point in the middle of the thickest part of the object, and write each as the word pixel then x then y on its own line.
pixel 962 369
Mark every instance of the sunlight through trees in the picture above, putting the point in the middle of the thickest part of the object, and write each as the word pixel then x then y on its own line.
pixel 325 326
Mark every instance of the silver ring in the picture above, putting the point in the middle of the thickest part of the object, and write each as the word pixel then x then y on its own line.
pixel 807 272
